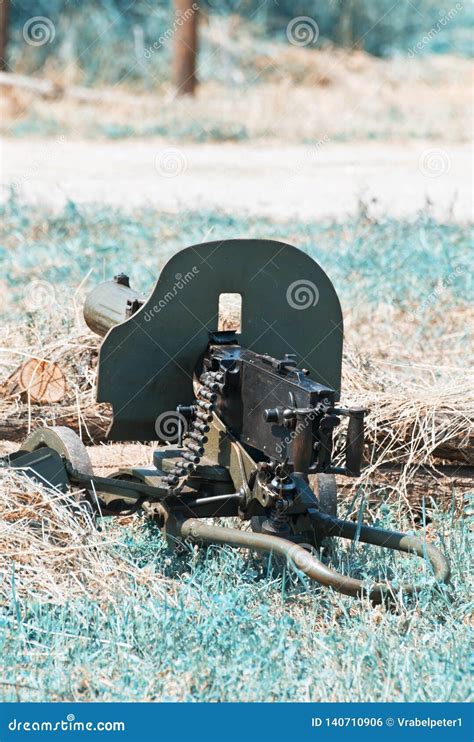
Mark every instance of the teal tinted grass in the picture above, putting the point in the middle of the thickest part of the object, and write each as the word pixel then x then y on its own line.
pixel 405 263
pixel 239 628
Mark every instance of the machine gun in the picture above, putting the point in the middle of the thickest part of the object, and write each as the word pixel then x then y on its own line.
pixel 248 416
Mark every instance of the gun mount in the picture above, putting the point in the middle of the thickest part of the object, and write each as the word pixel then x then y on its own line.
pixel 247 416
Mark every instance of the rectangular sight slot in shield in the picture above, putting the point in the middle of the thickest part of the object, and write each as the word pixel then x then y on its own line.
pixel 230 312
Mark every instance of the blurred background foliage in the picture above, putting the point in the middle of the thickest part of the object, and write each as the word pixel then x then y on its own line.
pixel 109 42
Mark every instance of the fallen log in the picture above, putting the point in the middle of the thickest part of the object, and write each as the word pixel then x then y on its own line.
pixel 44 88
pixel 91 424
pixel 37 381
pixel 52 90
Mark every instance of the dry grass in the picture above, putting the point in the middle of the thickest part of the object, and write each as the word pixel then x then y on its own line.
pixel 91 613
pixel 412 423
pixel 417 428
pixel 335 95
pixel 417 416
pixel 51 553
pixel 420 413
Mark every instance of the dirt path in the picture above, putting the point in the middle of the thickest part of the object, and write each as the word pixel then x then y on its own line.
pixel 282 182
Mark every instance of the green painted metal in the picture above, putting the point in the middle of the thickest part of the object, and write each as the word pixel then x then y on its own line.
pixel 44 465
pixel 65 442
pixel 106 305
pixel 309 564
pixel 289 305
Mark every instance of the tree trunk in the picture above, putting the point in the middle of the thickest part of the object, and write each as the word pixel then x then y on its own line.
pixel 96 419
pixel 93 424
pixel 345 31
pixel 3 33
pixel 185 46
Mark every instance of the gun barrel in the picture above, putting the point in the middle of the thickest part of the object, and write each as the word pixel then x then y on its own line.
pixel 110 303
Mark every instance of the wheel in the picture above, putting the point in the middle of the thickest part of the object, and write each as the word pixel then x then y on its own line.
pixel 65 442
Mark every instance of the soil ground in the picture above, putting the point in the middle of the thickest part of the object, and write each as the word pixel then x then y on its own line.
pixel 306 182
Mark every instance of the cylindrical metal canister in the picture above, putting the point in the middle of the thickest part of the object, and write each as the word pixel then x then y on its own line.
pixel 110 303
